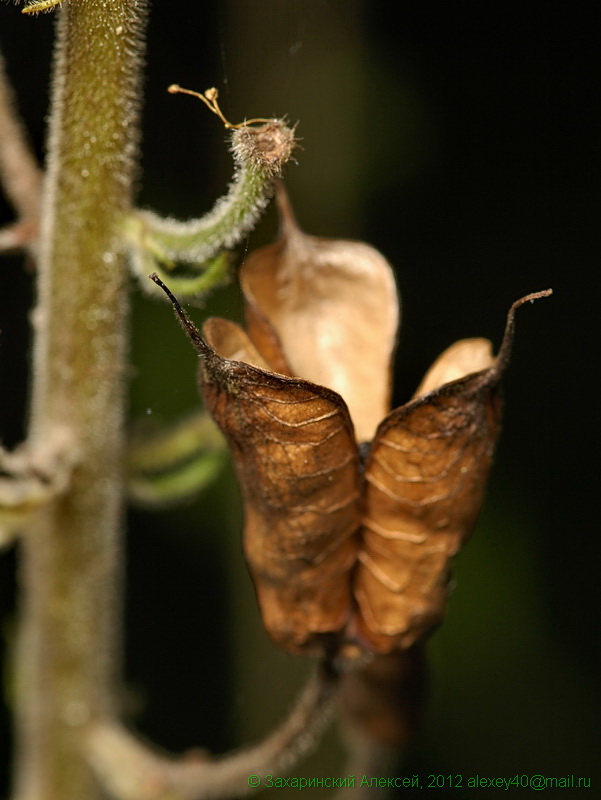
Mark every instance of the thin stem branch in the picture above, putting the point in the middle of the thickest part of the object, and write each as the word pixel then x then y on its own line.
pixel 18 235
pixel 31 477
pixel 132 771
pixel 19 170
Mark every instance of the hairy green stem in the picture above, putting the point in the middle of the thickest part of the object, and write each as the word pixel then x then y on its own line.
pixel 70 570
pixel 260 154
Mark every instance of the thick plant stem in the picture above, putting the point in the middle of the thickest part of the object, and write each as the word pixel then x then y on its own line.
pixel 67 655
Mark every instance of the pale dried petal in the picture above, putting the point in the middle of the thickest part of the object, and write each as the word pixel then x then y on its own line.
pixel 334 307
pixel 231 341
pixel 460 359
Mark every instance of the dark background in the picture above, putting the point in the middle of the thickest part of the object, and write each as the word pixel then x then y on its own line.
pixel 461 139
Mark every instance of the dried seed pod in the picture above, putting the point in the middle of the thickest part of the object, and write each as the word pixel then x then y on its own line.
pixel 425 477
pixel 424 483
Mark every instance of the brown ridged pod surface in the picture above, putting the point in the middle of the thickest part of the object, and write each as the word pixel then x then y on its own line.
pixel 297 463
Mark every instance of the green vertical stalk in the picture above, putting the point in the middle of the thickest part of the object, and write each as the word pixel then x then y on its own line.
pixel 69 637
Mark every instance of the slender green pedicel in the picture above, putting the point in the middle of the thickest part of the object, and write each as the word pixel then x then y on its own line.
pixel 196 281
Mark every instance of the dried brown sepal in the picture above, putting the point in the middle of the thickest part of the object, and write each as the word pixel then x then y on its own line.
pixel 334 309
pixel 425 477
